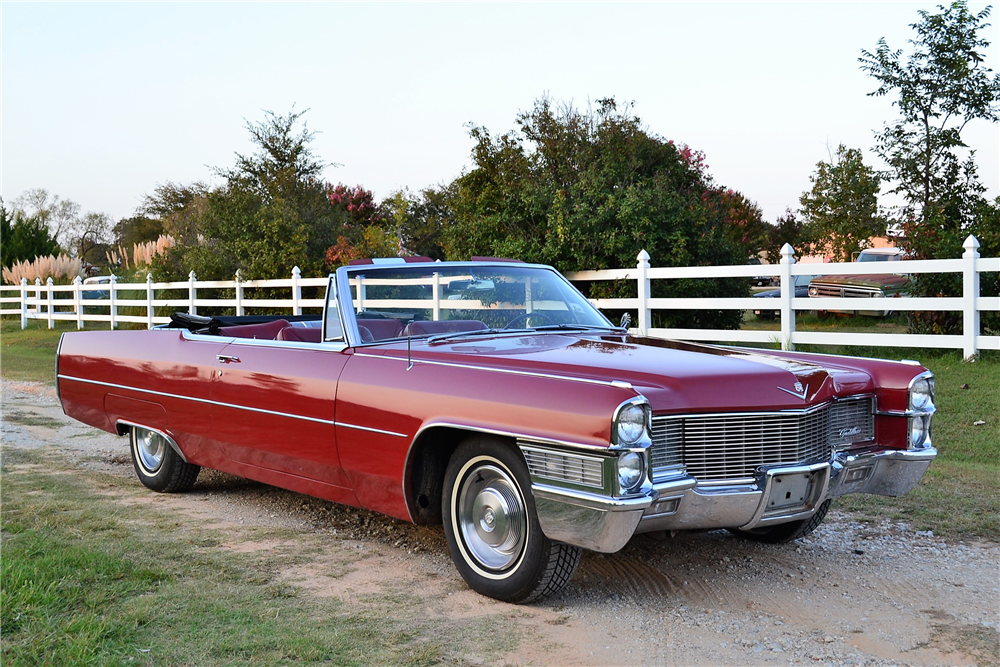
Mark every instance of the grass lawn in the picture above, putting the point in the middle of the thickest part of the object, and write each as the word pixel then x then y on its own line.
pixel 30 354
pixel 85 583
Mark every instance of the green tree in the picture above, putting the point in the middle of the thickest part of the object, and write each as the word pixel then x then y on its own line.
pixel 791 230
pixel 23 237
pixel 59 215
pixel 272 213
pixel 940 87
pixel 589 190
pixel 842 206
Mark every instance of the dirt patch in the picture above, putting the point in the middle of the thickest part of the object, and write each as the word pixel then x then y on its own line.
pixel 851 593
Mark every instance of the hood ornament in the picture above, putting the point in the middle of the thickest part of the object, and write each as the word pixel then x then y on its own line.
pixel 799 392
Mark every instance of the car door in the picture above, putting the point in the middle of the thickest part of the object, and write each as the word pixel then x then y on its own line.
pixel 273 407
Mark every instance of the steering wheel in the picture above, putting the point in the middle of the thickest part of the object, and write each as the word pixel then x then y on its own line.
pixel 525 317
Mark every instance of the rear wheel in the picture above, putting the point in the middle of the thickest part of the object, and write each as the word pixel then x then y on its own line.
pixel 492 528
pixel 157 465
pixel 785 532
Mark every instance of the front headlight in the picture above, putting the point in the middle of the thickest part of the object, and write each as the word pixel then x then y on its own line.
pixel 813 291
pixel 631 424
pixel 631 470
pixel 918 431
pixel 922 394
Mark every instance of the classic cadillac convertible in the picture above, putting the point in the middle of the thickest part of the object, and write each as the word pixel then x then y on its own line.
pixel 492 397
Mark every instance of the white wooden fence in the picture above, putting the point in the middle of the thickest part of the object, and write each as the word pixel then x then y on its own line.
pixel 67 302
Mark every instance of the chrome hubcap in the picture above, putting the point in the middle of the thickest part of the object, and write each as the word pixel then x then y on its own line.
pixel 150 448
pixel 492 517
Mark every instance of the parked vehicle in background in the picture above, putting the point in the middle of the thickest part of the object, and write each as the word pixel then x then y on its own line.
pixel 493 398
pixel 801 291
pixel 96 293
pixel 863 285
pixel 760 281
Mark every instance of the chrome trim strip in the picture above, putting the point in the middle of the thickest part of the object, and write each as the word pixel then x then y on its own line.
pixel 617 384
pixel 370 429
pixel 519 437
pixel 173 444
pixel 232 405
pixel 261 342
pixel 594 500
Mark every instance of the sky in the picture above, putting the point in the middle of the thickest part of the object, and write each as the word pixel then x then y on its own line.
pixel 101 102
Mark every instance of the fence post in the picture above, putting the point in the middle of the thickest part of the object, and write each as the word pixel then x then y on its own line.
pixel 787 294
pixel 239 293
pixel 38 297
pixel 112 306
pixel 643 279
pixel 48 285
pixel 149 300
pixel 296 291
pixel 436 296
pixel 77 303
pixel 970 295
pixel 24 303
pixel 192 294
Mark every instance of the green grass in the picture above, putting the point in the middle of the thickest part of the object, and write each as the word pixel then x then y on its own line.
pixel 30 354
pixel 958 495
pixel 86 582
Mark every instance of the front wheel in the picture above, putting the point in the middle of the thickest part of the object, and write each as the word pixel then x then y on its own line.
pixel 158 466
pixel 492 528
pixel 785 532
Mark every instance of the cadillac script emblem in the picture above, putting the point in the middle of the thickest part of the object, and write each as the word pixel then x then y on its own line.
pixel 800 391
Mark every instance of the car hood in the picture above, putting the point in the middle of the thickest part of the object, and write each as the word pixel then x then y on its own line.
pixel 673 375
pixel 874 280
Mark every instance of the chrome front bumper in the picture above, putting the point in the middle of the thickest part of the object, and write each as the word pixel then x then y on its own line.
pixel 780 494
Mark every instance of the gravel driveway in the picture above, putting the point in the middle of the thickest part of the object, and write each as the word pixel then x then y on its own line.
pixel 849 594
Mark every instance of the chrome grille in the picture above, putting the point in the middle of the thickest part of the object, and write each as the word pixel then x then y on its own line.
pixel 851 421
pixel 845 291
pixel 728 447
pixel 565 467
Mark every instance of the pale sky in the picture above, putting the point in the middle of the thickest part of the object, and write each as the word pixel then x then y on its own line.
pixel 102 102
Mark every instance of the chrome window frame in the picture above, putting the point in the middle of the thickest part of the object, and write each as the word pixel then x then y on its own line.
pixel 348 316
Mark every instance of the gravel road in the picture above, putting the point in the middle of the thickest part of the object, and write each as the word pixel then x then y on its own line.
pixel 849 594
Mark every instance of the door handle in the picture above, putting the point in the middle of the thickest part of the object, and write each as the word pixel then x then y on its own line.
pixel 226 358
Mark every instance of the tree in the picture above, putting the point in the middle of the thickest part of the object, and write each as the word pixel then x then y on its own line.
pixel 842 206
pixel 791 230
pixel 589 190
pixel 23 237
pixel 941 87
pixel 272 213
pixel 59 215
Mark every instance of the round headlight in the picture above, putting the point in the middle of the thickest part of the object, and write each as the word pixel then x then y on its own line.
pixel 631 424
pixel 918 432
pixel 922 394
pixel 813 291
pixel 630 470
pixel 877 295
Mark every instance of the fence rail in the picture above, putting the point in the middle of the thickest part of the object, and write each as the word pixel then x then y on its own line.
pixel 70 302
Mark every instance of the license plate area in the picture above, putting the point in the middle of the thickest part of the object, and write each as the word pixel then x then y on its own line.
pixel 791 493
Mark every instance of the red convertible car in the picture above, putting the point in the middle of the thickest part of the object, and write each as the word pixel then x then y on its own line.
pixel 492 397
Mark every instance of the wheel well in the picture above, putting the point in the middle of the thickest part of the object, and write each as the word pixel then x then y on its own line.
pixel 425 468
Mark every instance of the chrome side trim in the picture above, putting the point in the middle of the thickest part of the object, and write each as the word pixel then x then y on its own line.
pixel 261 342
pixel 370 429
pixel 173 444
pixel 206 401
pixel 520 437
pixel 618 384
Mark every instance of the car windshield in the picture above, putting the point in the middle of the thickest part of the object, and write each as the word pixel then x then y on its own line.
pixel 872 257
pixel 435 300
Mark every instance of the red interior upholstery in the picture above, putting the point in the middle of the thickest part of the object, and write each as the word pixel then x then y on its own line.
pixel 442 326
pixel 301 334
pixel 381 329
pixel 264 331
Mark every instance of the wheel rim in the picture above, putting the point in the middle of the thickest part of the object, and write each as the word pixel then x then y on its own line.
pixel 150 447
pixel 492 517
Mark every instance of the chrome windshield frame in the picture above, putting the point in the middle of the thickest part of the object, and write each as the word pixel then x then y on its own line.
pixel 348 313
